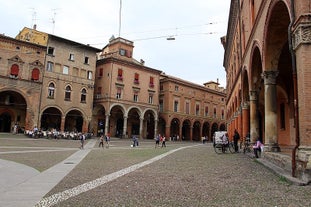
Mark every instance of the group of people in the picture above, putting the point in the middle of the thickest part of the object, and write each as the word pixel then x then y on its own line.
pixel 101 140
pixel 258 146
pixel 159 138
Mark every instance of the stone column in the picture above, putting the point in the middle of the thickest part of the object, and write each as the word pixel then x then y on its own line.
pixel 124 127
pixel 254 122
pixel 141 127
pixel 271 126
pixel 245 119
pixel 155 128
pixel 107 128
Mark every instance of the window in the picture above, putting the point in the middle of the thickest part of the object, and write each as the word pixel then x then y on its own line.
pixel 187 107
pixel 65 70
pixel 206 110
pixel 176 88
pixel 151 84
pixel 161 87
pixel 122 52
pixel 14 71
pixel 67 93
pixel 49 66
pixel 175 106
pixel 222 114
pixel 136 78
pixel 86 60
pixel 89 75
pixel 135 99
pixel 215 112
pixel 150 101
pixel 83 96
pixel 35 74
pixel 101 72
pixel 51 90
pixel 75 71
pixel 71 57
pixel 118 96
pixel 98 92
pixel 120 74
pixel 161 105
pixel 197 109
pixel 50 51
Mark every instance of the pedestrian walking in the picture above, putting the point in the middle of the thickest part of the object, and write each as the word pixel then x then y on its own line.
pixel 101 141
pixel 82 139
pixel 163 142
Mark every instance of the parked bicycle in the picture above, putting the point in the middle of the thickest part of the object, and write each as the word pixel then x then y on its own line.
pixel 221 143
pixel 246 146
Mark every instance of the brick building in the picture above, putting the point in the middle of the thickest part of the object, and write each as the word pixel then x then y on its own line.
pixel 21 78
pixel 126 93
pixel 190 111
pixel 267 61
pixel 66 102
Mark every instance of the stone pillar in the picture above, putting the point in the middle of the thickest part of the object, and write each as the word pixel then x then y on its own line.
pixel 124 127
pixel 245 119
pixel 62 124
pixel 254 122
pixel 271 126
pixel 141 127
pixel 155 128
pixel 107 128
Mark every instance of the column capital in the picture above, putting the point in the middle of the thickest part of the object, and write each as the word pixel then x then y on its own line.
pixel 269 76
pixel 301 34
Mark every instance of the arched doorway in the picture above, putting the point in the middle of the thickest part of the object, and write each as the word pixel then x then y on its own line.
pixel 186 130
pixel 51 119
pixel 74 121
pixel 196 135
pixel 174 130
pixel 116 121
pixel 5 122
pixel 13 109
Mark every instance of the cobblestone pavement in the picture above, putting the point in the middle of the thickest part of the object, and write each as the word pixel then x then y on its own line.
pixel 182 174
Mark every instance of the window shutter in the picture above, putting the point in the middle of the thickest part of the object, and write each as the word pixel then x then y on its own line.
pixel 14 69
pixel 35 74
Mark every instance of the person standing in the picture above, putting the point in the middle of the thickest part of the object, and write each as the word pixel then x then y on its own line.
pixel 107 140
pixel 236 138
pixel 157 139
pixel 101 141
pixel 82 139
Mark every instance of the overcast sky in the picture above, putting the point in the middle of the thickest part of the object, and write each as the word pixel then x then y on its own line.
pixel 195 55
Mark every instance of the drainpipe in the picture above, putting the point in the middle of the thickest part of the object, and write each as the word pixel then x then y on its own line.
pixel 294 73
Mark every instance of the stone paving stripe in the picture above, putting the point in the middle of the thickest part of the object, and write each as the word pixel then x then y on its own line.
pixel 62 196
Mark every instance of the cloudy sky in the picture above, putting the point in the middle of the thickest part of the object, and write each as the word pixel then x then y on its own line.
pixel 195 55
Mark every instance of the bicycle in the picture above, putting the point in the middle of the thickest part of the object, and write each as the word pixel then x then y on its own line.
pixel 247 147
pixel 223 148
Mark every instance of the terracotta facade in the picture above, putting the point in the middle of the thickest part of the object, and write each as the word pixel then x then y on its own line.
pixel 267 51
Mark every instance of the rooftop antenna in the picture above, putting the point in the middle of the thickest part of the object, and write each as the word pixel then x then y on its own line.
pixel 53 19
pixel 120 18
pixel 33 17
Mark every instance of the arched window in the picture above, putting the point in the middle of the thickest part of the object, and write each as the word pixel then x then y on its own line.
pixel 14 70
pixel 35 74
pixel 51 90
pixel 67 93
pixel 83 96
